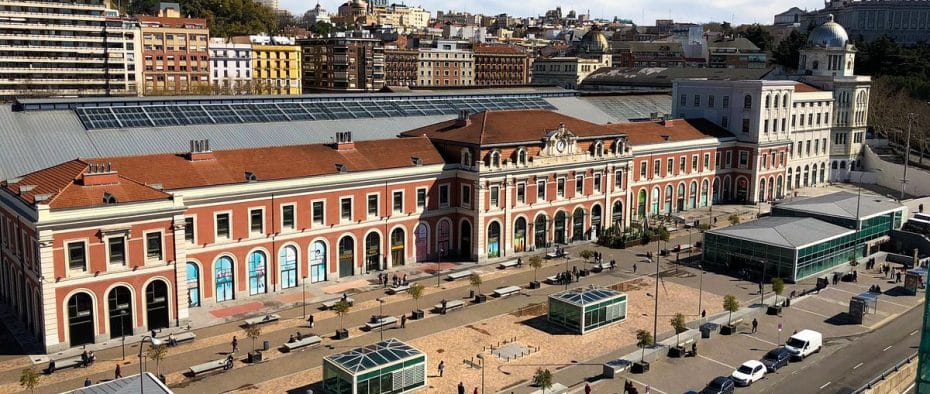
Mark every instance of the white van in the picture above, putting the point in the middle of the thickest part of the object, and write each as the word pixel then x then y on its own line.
pixel 804 343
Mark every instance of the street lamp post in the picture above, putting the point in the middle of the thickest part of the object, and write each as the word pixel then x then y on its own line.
pixel 655 316
pixel 381 316
pixel 911 117
pixel 481 358
pixel 439 266
pixel 122 329
pixel 304 306
pixel 155 342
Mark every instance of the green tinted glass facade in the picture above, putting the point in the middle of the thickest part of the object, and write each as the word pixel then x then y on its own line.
pixel 923 352
pixel 735 255
pixel 825 255
pixel 584 318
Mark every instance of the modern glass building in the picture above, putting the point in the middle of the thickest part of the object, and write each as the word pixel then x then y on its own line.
pixel 876 215
pixel 787 247
pixel 586 309
pixel 390 366
pixel 923 351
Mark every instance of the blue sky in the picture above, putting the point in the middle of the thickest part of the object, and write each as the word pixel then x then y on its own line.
pixel 740 11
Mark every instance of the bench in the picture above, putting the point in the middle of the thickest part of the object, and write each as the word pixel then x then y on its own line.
pixel 331 303
pixel 303 342
pixel 459 275
pixel 381 322
pixel 602 267
pixel 507 264
pixel 179 337
pixel 398 289
pixel 262 319
pixel 70 362
pixel 210 366
pixel 450 305
pixel 555 255
pixel 683 248
pixel 507 291
pixel 553 280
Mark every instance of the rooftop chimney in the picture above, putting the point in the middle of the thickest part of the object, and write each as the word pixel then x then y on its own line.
pixel 463 120
pixel 344 141
pixel 99 174
pixel 200 150
pixel 668 122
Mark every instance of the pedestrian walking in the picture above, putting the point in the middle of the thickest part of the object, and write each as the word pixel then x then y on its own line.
pixel 634 268
pixel 755 325
pixel 405 280
pixel 476 391
pixel 613 264
pixel 461 388
pixel 117 374
pixel 235 344
pixel 897 277
pixel 703 313
pixel 403 321
pixel 442 367
pixel 647 389
pixel 587 388
pixel 88 382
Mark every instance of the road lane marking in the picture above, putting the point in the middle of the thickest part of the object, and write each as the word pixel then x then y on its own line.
pixel 651 388
pixel 760 339
pixel 715 361
pixel 912 333
pixel 813 313
pixel 857 366
pixel 886 349
pixel 825 385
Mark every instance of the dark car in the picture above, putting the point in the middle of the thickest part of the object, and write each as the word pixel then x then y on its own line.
pixel 776 358
pixel 720 385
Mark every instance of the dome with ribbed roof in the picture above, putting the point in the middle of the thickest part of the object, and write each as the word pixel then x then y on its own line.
pixel 828 35
pixel 594 41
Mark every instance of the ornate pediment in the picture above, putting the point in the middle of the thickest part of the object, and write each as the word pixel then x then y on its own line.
pixel 560 142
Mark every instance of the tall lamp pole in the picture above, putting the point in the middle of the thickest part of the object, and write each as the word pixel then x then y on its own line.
pixel 655 316
pixel 155 342
pixel 380 317
pixel 911 117
pixel 305 297
pixel 481 358
pixel 122 328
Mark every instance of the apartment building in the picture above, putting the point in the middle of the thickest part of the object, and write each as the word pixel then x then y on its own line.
pixel 343 62
pixel 54 48
pixel 276 65
pixel 230 65
pixel 446 65
pixel 400 67
pixel 175 52
pixel 501 65
pixel 735 53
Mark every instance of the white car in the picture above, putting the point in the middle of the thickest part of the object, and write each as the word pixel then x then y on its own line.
pixel 751 371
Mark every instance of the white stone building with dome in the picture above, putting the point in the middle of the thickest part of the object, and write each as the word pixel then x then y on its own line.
pixel 817 118
pixel 591 53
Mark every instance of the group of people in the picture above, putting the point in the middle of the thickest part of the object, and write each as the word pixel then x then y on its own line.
pixel 886 272
pixel 568 276
pixel 295 338
pixel 395 280
pixel 88 358
pixel 875 289
pixel 870 263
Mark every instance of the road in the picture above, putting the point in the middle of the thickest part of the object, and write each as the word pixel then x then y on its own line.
pixel 865 357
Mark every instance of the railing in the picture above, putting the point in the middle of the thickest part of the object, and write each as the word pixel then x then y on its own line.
pixel 885 374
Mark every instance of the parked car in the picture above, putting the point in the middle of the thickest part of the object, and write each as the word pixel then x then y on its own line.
pixel 751 371
pixel 720 385
pixel 804 343
pixel 775 358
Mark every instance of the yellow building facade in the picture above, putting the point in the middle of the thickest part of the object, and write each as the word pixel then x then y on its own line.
pixel 276 69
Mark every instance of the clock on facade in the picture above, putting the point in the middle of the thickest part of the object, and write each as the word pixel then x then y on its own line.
pixel 560 146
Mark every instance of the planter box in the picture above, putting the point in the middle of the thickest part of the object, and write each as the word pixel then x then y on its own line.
pixel 707 329
pixel 676 352
pixel 535 285
pixel 481 298
pixel 640 367
pixel 255 357
pixel 342 334
pixel 417 314
pixel 774 310
pixel 728 330
pixel 615 367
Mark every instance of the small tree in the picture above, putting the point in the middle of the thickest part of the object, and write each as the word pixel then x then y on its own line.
pixel 475 280
pixel 734 219
pixel 679 324
pixel 778 287
pixel 730 304
pixel 703 227
pixel 586 254
pixel 29 379
pixel 542 379
pixel 252 331
pixel 342 309
pixel 536 262
pixel 157 353
pixel 643 339
pixel 416 292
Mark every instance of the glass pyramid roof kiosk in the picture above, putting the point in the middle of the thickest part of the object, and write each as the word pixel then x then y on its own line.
pixel 389 366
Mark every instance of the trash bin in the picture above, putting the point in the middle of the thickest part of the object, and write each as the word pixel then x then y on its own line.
pixel 266 345
pixel 708 328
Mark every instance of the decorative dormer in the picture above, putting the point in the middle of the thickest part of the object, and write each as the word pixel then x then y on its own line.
pixel 560 141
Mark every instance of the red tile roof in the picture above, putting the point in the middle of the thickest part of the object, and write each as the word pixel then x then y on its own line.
pixel 64 189
pixel 646 133
pixel 499 50
pixel 801 87
pixel 503 127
